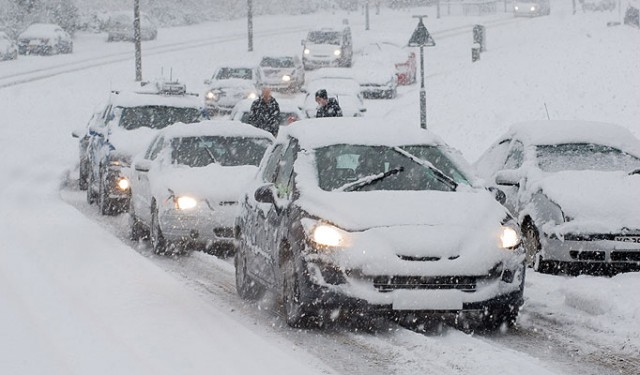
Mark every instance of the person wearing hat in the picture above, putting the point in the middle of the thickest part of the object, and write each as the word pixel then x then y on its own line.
pixel 328 107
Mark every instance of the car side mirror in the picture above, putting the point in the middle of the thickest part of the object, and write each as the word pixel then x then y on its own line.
pixel 207 81
pixel 508 177
pixel 264 194
pixel 302 42
pixel 143 165
pixel 498 194
pixel 78 133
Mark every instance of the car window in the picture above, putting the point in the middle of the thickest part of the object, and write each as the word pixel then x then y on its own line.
pixel 155 151
pixel 584 156
pixel 285 171
pixel 493 159
pixel 269 172
pixel 157 117
pixel 231 73
pixel 227 151
pixel 516 156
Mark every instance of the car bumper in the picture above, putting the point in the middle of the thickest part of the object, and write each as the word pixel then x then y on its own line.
pixel 327 287
pixel 200 226
pixel 593 249
pixel 321 62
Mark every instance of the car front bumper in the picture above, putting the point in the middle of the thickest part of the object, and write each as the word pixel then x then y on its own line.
pixel 596 249
pixel 205 225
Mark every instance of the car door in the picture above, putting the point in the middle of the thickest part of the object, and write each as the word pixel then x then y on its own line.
pixel 254 228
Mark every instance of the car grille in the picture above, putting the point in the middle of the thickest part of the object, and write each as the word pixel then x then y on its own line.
pixel 587 255
pixel 601 237
pixel 389 283
pixel 223 232
pixel 424 259
pixel 625 256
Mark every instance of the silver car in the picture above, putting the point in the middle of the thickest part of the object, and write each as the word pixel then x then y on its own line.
pixel 185 185
pixel 575 187
pixel 229 85
pixel 282 73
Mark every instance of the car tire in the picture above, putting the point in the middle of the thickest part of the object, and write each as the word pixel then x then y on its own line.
pixel 247 288
pixel 533 253
pixel 104 203
pixel 137 230
pixel 83 178
pixel 158 242
pixel 296 314
pixel 495 317
pixel 91 195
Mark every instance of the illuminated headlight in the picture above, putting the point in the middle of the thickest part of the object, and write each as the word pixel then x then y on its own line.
pixel 337 52
pixel 123 183
pixel 286 78
pixel 252 95
pixel 211 95
pixel 330 236
pixel 515 7
pixel 307 51
pixel 509 237
pixel 533 8
pixel 185 203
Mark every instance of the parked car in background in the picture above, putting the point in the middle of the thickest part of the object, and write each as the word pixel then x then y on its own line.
pixel 346 91
pixel 289 111
pixel 44 39
pixel 230 84
pixel 531 8
pixel 282 73
pixel 119 27
pixel 8 47
pixel 121 129
pixel 574 185
pixel 376 79
pixel 402 58
pixel 185 185
pixel 348 216
pixel 327 47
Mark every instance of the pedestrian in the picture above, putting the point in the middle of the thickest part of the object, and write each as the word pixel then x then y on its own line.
pixel 328 107
pixel 265 113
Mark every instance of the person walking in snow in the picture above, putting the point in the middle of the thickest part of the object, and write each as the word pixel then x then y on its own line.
pixel 328 107
pixel 265 113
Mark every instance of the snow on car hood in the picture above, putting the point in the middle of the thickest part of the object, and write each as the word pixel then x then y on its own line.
pixel 388 225
pixel 215 183
pixel 595 200
pixel 131 142
pixel 232 84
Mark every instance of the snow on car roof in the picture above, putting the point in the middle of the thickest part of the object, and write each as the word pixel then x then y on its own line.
pixel 567 131
pixel 134 99
pixel 314 133
pixel 37 29
pixel 227 128
pixel 335 85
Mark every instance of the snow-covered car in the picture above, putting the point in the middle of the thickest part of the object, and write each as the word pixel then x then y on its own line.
pixel 44 39
pixel 575 187
pixel 290 111
pixel 341 219
pixel 327 47
pixel 8 48
pixel 377 79
pixel 186 184
pixel 530 8
pixel 119 27
pixel 403 59
pixel 346 90
pixel 282 73
pixel 229 85
pixel 597 5
pixel 124 125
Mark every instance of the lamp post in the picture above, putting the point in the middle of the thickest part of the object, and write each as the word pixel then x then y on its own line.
pixel 421 38
pixel 136 39
pixel 250 23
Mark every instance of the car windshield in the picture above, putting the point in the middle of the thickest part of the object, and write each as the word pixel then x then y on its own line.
pixel 277 62
pixel 584 156
pixel 324 37
pixel 439 160
pixel 156 117
pixel 230 73
pixel 226 151
pixel 367 168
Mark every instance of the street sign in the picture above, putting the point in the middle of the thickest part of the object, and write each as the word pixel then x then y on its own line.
pixel 421 37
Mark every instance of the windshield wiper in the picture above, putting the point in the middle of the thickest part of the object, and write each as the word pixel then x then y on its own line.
pixel 213 159
pixel 440 176
pixel 368 180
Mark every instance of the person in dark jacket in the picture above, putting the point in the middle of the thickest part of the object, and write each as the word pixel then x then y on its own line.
pixel 265 113
pixel 328 107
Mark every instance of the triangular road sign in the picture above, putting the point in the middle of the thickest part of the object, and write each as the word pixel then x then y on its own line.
pixel 421 37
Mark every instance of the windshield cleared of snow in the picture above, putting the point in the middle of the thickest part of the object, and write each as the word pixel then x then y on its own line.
pixel 226 151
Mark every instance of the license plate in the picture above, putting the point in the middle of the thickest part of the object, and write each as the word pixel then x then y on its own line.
pixel 630 239
pixel 426 300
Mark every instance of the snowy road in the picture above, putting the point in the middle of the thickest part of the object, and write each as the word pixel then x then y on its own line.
pixel 560 330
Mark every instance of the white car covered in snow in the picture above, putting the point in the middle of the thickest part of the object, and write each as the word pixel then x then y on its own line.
pixel 531 8
pixel 229 85
pixel 44 39
pixel 186 184
pixel 575 187
pixel 344 220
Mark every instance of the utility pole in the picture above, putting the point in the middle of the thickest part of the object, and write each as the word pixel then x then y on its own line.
pixel 250 23
pixel 366 15
pixel 421 38
pixel 136 39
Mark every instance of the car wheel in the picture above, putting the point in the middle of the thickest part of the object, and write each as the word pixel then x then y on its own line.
pixel 158 243
pixel 104 203
pixel 496 316
pixel 247 288
pixel 137 231
pixel 91 195
pixel 83 178
pixel 295 312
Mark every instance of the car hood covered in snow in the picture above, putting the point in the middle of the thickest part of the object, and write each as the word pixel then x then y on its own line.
pixel 595 201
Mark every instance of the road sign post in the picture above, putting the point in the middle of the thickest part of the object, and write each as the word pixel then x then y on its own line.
pixel 421 38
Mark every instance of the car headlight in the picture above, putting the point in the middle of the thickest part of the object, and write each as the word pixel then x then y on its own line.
pixel 509 237
pixel 286 78
pixel 123 183
pixel 533 8
pixel 337 52
pixel 307 51
pixel 328 235
pixel 211 95
pixel 185 202
pixel 252 95
pixel 515 7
